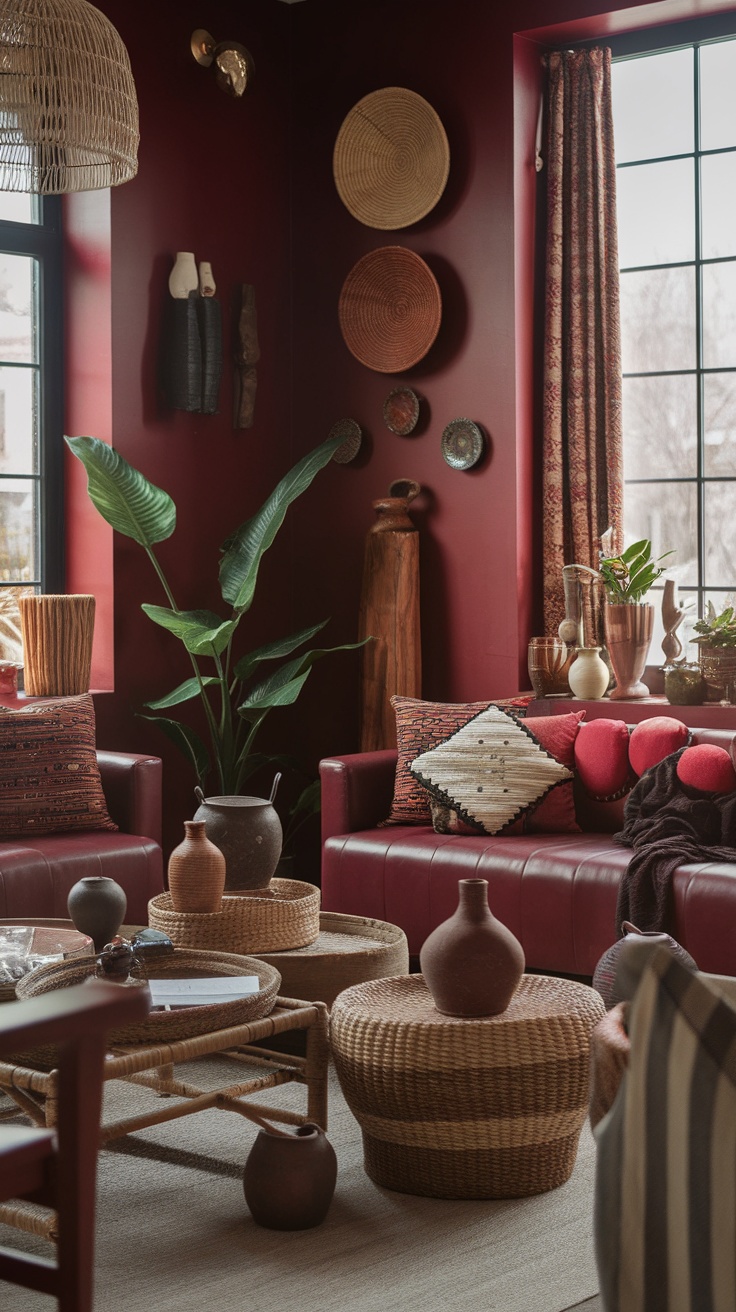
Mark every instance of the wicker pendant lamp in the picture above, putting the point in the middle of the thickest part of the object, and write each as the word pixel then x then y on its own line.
pixel 68 108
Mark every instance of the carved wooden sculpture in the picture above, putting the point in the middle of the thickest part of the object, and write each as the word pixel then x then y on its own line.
pixel 247 354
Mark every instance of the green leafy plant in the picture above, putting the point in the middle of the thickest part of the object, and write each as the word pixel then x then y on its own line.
pixel 233 690
pixel 628 577
pixel 716 630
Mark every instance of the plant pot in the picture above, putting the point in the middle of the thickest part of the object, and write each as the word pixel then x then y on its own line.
pixel 289 1178
pixel 718 667
pixel 248 832
pixel 628 637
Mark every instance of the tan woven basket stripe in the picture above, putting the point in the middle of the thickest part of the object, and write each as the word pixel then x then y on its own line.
pixel 494 1132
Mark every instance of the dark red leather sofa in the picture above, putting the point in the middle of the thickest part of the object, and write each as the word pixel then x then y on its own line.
pixel 556 892
pixel 36 876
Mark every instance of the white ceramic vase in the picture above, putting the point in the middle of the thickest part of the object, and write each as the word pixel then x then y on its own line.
pixel 588 675
pixel 183 278
pixel 207 285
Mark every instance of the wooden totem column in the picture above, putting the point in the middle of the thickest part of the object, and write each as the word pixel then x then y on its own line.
pixel 57 643
pixel 389 613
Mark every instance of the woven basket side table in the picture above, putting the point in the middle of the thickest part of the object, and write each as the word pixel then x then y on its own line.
pixel 349 950
pixel 489 1107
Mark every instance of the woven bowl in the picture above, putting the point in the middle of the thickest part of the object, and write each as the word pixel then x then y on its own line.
pixel 183 1022
pixel 390 309
pixel 284 915
pixel 391 159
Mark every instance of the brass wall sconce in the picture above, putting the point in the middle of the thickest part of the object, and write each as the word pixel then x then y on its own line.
pixel 234 67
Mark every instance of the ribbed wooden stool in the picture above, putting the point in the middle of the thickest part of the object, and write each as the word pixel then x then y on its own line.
pixel 490 1107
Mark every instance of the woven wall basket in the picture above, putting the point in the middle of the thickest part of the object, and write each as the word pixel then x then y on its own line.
pixel 391 159
pixel 284 915
pixel 390 309
pixel 184 1022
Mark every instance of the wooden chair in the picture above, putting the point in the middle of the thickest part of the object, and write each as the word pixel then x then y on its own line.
pixel 58 1167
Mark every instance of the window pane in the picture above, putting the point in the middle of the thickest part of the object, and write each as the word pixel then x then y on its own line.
pixel 17 207
pixel 656 213
pixel 718 95
pixel 17 532
pixel 718 188
pixel 17 276
pixel 653 105
pixel 660 426
pixel 18 421
pixel 719 394
pixel 720 535
pixel 658 320
pixel 719 315
pixel 666 513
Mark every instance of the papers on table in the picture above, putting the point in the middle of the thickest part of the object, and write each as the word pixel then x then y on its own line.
pixel 170 993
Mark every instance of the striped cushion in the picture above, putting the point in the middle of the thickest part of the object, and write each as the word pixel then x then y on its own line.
pixel 49 778
pixel 665 1211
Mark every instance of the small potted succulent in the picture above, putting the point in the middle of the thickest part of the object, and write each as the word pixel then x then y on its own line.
pixel 628 619
pixel 715 637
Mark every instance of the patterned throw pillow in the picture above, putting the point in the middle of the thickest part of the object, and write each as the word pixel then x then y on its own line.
pixel 419 726
pixel 49 778
pixel 495 769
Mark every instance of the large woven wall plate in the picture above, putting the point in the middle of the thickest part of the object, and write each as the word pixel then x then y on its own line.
pixel 390 309
pixel 391 159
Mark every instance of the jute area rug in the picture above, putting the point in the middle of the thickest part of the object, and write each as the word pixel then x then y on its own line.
pixel 175 1235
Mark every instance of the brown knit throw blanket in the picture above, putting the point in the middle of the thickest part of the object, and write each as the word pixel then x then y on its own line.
pixel 668 824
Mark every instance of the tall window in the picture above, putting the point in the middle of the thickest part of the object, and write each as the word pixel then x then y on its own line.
pixel 675 135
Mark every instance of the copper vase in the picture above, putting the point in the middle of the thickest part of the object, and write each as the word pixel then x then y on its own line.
pixel 628 637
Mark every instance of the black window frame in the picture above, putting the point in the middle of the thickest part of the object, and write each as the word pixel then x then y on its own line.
pixel 43 240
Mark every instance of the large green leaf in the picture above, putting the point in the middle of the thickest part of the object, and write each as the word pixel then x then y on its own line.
pixel 187 741
pixel 201 631
pixel 243 551
pixel 123 496
pixel 274 650
pixel 184 693
pixel 284 694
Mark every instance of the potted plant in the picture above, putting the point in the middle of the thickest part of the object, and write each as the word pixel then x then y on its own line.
pixel 627 618
pixel 236 690
pixel 716 640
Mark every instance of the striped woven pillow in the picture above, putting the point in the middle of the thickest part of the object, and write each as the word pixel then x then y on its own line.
pixel 665 1207
pixel 49 778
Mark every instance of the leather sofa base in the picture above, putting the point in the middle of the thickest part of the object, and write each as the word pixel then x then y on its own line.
pixel 35 879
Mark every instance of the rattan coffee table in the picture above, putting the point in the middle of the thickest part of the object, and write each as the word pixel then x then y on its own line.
pixel 488 1107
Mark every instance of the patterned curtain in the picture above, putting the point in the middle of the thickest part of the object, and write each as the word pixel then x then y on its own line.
pixel 582 442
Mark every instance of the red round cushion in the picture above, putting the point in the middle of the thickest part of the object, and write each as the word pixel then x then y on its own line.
pixel 652 740
pixel 602 758
pixel 707 768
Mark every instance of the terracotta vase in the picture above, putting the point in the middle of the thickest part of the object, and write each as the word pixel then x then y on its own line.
pixel 472 963
pixel 548 663
pixel 628 637
pixel 96 906
pixel 289 1178
pixel 617 973
pixel 196 872
pixel 247 830
pixel 588 675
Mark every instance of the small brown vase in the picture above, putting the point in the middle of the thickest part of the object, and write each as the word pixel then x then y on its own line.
pixel 289 1178
pixel 472 963
pixel 196 871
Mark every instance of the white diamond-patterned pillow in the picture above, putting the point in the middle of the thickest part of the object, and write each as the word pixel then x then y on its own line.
pixel 490 771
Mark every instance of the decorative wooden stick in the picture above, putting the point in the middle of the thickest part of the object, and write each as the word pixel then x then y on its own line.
pixel 247 354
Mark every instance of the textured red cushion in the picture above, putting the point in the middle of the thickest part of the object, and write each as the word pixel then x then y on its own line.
pixel 652 740
pixel 49 778
pixel 707 768
pixel 420 726
pixel 602 759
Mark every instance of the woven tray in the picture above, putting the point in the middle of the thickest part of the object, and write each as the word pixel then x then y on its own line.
pixel 184 1022
pixel 490 1107
pixel 284 915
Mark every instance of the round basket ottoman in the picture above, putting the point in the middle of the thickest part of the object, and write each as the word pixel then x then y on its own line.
pixel 489 1107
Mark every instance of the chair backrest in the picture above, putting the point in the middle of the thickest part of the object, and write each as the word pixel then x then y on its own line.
pixel 59 1169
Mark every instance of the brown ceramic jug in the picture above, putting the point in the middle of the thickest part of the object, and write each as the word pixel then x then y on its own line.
pixel 472 963
pixel 289 1177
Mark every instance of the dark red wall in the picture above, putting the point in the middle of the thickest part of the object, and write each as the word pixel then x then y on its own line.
pixel 248 185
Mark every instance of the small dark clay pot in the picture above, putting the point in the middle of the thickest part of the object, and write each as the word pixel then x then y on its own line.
pixel 289 1178
pixel 96 906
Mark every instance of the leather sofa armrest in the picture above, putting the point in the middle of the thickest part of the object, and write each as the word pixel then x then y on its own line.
pixel 132 788
pixel 356 791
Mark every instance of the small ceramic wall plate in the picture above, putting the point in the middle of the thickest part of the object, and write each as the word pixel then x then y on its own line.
pixel 401 411
pixel 353 436
pixel 462 444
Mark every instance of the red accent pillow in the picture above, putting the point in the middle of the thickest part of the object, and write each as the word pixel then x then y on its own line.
pixel 420 726
pixel 652 740
pixel 707 768
pixel 555 814
pixel 602 759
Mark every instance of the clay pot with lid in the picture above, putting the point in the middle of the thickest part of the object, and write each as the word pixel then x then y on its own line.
pixel 248 832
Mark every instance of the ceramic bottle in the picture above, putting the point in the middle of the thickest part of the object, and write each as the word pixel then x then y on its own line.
pixel 196 872
pixel 96 906
pixel 183 278
pixel 472 963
